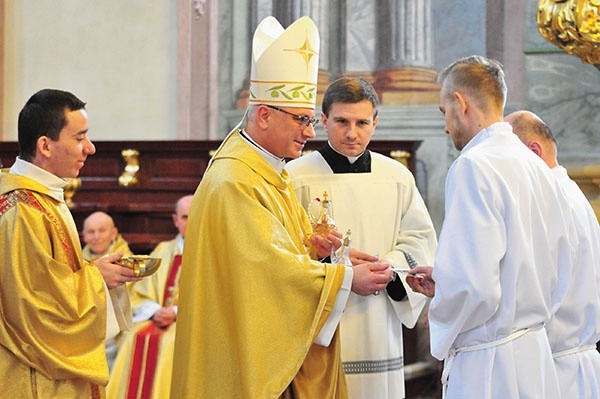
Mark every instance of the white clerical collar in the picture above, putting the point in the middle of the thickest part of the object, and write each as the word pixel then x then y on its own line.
pixel 277 163
pixel 350 159
pixel 52 182
pixel 179 243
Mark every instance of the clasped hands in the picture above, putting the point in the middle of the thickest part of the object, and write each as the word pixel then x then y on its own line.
pixel 113 274
pixel 370 274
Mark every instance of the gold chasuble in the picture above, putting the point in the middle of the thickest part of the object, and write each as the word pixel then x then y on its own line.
pixel 119 246
pixel 252 300
pixel 52 303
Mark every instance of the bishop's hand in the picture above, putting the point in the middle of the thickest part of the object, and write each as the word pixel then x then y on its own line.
pixel 325 245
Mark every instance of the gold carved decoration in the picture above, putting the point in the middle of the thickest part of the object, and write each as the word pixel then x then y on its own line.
pixel 400 156
pixel 69 190
pixel 573 25
pixel 132 166
pixel 588 179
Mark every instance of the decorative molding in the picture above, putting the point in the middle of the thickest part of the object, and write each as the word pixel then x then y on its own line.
pixel 573 25
pixel 132 166
pixel 72 186
pixel 199 8
pixel 588 179
pixel 401 156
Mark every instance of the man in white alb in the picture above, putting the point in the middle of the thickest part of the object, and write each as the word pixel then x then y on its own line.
pixel 574 329
pixel 505 250
pixel 376 198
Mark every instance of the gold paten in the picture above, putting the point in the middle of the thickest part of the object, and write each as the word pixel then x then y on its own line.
pixel 142 265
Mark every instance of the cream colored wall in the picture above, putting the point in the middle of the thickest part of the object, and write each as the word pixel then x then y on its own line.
pixel 120 56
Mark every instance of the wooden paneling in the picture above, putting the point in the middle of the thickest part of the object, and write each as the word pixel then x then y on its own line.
pixel 167 171
pixel 142 211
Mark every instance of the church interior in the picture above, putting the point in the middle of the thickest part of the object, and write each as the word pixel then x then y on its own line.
pixel 165 81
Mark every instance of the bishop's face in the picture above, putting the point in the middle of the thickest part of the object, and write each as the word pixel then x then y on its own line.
pixel 288 134
pixel 350 126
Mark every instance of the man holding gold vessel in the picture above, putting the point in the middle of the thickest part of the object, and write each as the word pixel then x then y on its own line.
pixel 57 309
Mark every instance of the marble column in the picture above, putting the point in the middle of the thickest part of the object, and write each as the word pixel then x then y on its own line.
pixel 318 11
pixel 434 155
pixel 197 69
pixel 404 51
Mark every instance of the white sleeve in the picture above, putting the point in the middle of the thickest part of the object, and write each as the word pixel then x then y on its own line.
pixel 118 310
pixel 112 326
pixel 326 334
pixel 145 311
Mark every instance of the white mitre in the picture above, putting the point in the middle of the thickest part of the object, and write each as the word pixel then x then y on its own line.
pixel 285 64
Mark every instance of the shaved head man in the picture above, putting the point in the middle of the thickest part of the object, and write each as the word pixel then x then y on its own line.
pixel 574 328
pixel 535 134
pixel 99 232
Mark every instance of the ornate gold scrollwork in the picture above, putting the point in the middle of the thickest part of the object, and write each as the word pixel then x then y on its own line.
pixel 69 190
pixel 401 156
pixel 573 25
pixel 132 166
pixel 588 179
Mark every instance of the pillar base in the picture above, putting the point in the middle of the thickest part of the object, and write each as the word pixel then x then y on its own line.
pixel 407 85
pixel 323 81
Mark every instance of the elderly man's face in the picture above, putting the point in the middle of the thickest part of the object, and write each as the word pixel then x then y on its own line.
pixel 99 232
pixel 180 217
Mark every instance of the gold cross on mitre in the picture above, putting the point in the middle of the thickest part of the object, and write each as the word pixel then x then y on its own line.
pixel 306 50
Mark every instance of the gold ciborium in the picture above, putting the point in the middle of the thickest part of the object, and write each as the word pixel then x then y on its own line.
pixel 142 265
pixel 320 214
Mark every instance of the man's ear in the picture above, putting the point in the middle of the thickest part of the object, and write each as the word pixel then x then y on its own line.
pixel 536 147
pixel 461 101
pixel 324 121
pixel 43 146
pixel 262 116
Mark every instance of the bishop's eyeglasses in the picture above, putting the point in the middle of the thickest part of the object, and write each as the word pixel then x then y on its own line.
pixel 302 119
